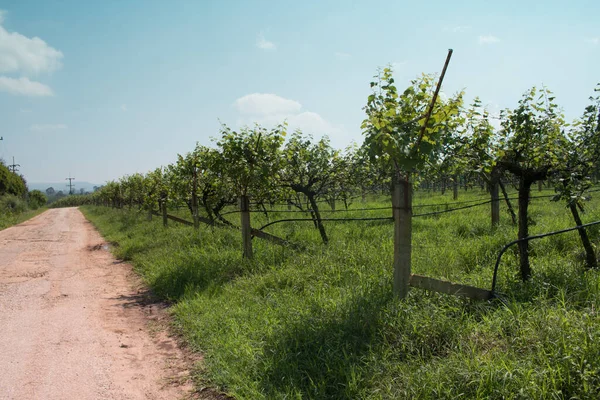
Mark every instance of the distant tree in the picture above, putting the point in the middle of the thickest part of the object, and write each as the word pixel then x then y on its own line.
pixel 50 191
pixel 574 177
pixel 346 183
pixel 214 190
pixel 37 199
pixel 11 183
pixel 24 181
pixel 82 191
pixel 532 148
pixel 182 178
pixel 132 189
pixel 251 158
pixel 156 190
pixel 308 168
pixel 481 152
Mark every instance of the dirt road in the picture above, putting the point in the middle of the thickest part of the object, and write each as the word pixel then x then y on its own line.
pixel 73 322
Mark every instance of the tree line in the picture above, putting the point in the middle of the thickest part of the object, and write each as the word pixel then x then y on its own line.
pixel 410 136
pixel 15 197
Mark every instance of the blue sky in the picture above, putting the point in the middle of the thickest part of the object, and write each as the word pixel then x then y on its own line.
pixel 106 88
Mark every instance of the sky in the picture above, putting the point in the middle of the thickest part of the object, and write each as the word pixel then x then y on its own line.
pixel 101 89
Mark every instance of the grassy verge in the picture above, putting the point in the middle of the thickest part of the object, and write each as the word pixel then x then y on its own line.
pixel 323 323
pixel 9 219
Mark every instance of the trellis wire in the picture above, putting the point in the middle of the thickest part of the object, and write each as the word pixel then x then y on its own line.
pixel 370 218
pixel 326 219
pixel 361 218
pixel 528 238
pixel 389 208
pixel 309 210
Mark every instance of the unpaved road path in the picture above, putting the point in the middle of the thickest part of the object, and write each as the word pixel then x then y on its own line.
pixel 73 324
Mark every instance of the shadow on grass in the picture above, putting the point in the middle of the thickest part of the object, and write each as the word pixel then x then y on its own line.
pixel 210 269
pixel 192 275
pixel 552 283
pixel 130 249
pixel 322 355
pixel 331 354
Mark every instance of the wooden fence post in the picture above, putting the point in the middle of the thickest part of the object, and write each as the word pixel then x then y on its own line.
pixel 494 190
pixel 402 213
pixel 163 206
pixel 195 199
pixel 455 187
pixel 244 203
pixel 149 213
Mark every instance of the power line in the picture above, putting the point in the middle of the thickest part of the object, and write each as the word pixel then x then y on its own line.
pixel 13 167
pixel 71 186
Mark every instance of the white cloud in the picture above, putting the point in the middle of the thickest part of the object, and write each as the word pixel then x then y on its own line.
pixel 24 87
pixel 266 104
pixel 341 55
pixel 593 40
pixel 123 107
pixel 269 110
pixel 264 44
pixel 311 122
pixel 26 56
pixel 47 127
pixel 29 56
pixel 457 29
pixel 488 39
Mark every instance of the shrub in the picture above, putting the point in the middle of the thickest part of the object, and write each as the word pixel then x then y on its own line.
pixel 12 204
pixel 11 183
pixel 37 199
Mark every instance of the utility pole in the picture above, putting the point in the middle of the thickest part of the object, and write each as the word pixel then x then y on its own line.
pixel 70 183
pixel 13 167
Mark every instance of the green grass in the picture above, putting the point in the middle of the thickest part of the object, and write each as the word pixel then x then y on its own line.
pixel 323 323
pixel 10 219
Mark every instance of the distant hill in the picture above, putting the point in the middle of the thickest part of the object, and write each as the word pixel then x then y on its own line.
pixel 77 185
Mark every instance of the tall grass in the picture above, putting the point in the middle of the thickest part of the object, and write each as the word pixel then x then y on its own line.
pixel 14 210
pixel 323 323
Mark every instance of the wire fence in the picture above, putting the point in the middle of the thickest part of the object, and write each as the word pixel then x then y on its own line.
pixel 326 220
pixel 478 202
pixel 468 204
pixel 270 223
pixel 422 252
pixel 465 205
pixel 309 211
pixel 529 238
pixel 326 202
